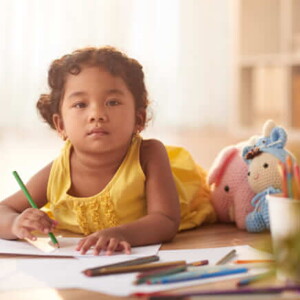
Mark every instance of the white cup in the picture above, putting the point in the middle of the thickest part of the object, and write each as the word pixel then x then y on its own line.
pixel 285 230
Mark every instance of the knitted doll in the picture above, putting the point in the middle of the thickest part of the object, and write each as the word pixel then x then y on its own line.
pixel 263 173
pixel 231 193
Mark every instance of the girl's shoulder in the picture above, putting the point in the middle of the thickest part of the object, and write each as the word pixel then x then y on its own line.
pixel 152 151
pixel 151 148
pixel 151 145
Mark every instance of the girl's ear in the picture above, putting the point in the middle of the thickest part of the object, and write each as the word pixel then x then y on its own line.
pixel 59 126
pixel 140 120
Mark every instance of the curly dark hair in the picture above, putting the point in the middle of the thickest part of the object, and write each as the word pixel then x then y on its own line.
pixel 109 58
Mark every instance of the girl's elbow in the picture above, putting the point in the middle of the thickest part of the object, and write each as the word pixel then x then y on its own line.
pixel 174 229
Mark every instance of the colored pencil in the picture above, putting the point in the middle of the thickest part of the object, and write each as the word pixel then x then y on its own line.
pixel 297 180
pixel 186 276
pixel 33 204
pixel 255 278
pixel 198 263
pixel 158 273
pixel 227 257
pixel 284 187
pixel 134 268
pixel 251 261
pixel 289 166
pixel 215 292
pixel 126 263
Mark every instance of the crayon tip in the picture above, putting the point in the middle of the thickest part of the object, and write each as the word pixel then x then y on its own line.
pixel 87 273
pixel 54 245
pixel 199 263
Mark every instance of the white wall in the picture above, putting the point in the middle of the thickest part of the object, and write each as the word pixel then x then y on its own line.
pixel 183 44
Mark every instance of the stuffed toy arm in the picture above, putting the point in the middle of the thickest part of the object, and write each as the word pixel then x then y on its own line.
pixel 258 220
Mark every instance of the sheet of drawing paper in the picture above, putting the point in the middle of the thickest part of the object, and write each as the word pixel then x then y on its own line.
pixel 67 273
pixel 42 247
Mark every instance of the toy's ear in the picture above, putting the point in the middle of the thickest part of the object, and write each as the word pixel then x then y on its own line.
pixel 220 164
pixel 278 136
pixel 268 127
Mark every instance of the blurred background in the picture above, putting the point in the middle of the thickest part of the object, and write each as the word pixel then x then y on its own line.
pixel 215 69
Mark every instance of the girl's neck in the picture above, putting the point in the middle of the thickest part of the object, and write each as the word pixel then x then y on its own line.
pixel 87 162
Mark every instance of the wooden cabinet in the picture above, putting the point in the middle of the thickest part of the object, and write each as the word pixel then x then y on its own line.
pixel 266 64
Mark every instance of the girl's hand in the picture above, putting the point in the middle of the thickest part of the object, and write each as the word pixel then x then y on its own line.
pixel 108 240
pixel 29 220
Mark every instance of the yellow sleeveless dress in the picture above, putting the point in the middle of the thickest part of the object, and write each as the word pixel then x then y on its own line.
pixel 123 200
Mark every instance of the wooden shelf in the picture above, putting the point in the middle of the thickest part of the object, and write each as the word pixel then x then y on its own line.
pixel 266 64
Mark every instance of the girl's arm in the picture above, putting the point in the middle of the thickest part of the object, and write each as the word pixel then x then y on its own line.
pixel 163 210
pixel 17 218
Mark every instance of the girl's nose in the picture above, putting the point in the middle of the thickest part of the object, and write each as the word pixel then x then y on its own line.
pixel 98 115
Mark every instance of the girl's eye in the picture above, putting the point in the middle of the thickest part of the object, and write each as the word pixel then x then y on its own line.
pixel 113 102
pixel 80 105
pixel 266 165
pixel 248 173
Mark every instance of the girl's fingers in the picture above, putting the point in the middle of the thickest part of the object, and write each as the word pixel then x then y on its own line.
pixel 126 247
pixel 105 240
pixel 36 214
pixel 112 246
pixel 79 245
pixel 25 233
pixel 88 243
pixel 36 225
pixel 100 245
pixel 37 220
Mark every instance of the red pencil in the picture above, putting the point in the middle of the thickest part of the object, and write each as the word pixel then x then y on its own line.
pixel 297 181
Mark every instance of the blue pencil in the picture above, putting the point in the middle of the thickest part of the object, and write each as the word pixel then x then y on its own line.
pixel 255 278
pixel 215 292
pixel 290 175
pixel 196 275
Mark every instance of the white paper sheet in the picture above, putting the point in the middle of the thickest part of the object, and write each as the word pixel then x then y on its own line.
pixel 67 273
pixel 67 248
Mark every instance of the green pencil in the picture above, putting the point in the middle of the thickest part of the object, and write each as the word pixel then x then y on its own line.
pixel 32 203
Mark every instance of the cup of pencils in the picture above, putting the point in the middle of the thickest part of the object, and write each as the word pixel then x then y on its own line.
pixel 284 212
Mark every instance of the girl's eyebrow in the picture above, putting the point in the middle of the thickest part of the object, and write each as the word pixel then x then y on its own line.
pixel 77 94
pixel 115 92
pixel 108 93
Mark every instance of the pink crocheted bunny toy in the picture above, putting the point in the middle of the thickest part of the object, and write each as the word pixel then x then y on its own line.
pixel 230 191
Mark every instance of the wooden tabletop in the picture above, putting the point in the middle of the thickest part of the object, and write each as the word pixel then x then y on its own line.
pixel 217 235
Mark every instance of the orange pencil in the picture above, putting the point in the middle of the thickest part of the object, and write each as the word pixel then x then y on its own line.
pixel 252 261
pixel 283 179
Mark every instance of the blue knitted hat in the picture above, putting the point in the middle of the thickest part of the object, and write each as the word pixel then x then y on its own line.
pixel 273 144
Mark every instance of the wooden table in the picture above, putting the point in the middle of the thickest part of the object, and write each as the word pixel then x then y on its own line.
pixel 217 235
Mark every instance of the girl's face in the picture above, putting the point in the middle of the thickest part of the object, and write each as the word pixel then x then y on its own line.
pixel 97 111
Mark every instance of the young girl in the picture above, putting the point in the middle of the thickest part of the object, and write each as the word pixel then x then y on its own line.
pixel 108 183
